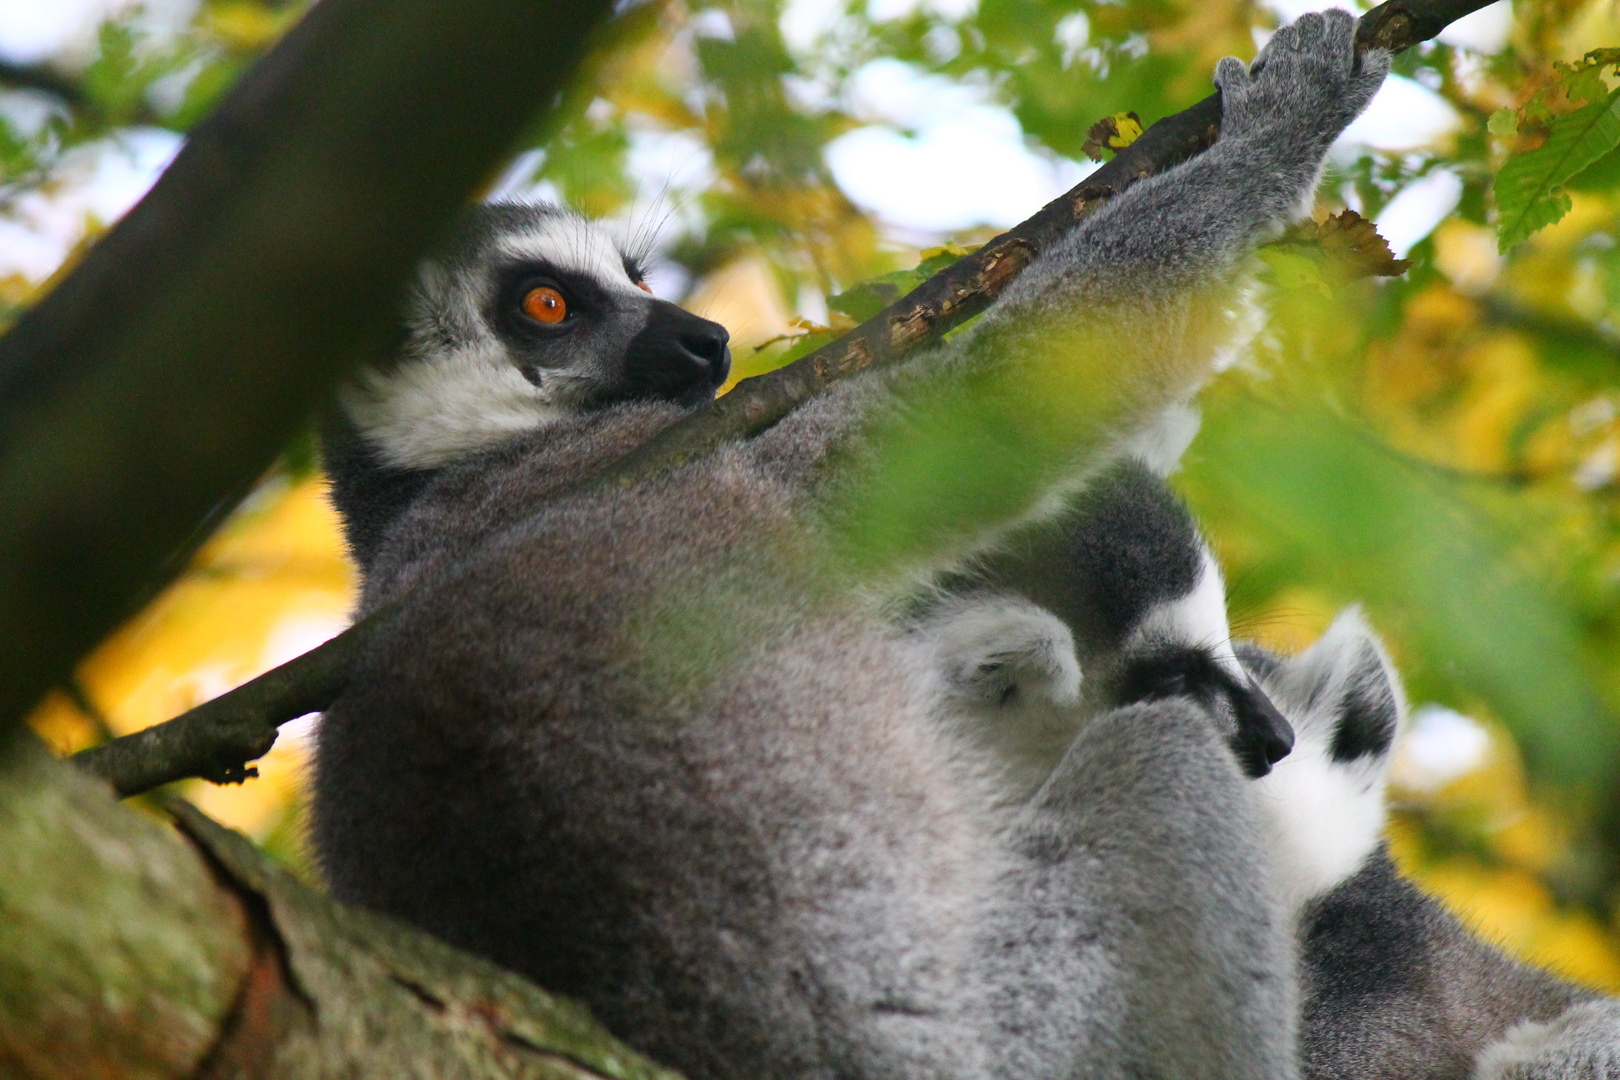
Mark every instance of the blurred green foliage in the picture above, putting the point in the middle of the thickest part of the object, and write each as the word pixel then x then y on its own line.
pixel 1443 448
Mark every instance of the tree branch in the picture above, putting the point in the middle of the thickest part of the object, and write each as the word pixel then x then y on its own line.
pixel 43 78
pixel 218 738
pixel 944 301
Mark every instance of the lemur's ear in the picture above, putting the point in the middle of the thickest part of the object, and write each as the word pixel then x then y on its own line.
pixel 1345 680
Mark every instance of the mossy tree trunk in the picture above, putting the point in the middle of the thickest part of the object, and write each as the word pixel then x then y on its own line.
pixel 139 949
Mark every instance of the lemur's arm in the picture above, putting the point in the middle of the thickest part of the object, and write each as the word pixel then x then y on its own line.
pixel 1105 329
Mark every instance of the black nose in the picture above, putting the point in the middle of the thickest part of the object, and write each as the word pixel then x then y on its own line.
pixel 709 342
pixel 677 357
pixel 1264 736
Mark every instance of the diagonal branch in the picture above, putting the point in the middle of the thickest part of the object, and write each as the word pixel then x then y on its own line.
pixel 137 762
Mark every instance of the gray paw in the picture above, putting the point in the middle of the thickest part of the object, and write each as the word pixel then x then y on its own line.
pixel 1582 1044
pixel 993 648
pixel 1307 84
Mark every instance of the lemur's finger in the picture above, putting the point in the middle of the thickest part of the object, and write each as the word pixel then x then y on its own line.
pixel 1339 35
pixel 1231 73
pixel 1309 30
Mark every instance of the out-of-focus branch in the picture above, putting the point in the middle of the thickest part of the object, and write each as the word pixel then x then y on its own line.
pixel 41 77
pixel 143 395
pixel 1504 311
pixel 944 301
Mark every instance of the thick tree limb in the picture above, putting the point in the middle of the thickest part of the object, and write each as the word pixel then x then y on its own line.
pixel 142 397
pixel 132 950
pixel 944 301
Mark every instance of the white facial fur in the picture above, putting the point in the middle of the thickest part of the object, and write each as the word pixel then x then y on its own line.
pixel 1324 816
pixel 1197 619
pixel 457 389
pixel 430 412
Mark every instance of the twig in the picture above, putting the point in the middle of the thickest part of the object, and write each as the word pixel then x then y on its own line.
pixel 1579 332
pixel 218 738
pixel 945 300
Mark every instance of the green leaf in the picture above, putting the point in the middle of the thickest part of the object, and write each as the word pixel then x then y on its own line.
pixel 865 300
pixel 1504 123
pixel 1295 270
pixel 1530 188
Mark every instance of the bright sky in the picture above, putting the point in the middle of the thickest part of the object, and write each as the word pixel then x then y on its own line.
pixel 920 128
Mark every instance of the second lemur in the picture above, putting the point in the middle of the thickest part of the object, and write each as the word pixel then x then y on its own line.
pixel 1393 984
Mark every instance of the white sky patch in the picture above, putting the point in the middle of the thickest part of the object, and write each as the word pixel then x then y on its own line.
pixel 965 162
pixel 713 23
pixel 895 91
pixel 293 636
pixel 950 10
pixel 1485 30
pixel 670 161
pixel 99 181
pixel 1403 115
pixel 804 21
pixel 516 182
pixel 1420 206
pixel 1440 746
pixel 970 169
pixel 65 30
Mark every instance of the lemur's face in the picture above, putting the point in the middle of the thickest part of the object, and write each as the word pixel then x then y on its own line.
pixel 1182 647
pixel 529 315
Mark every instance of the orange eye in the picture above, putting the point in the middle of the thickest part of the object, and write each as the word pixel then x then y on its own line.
pixel 545 305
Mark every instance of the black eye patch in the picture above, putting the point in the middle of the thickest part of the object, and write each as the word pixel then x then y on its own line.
pixel 1263 735
pixel 586 299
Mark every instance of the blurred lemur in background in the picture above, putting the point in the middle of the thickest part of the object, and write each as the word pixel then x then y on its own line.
pixel 1119 596
pixel 654 746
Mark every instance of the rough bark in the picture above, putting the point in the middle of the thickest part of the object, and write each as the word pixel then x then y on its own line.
pixel 136 951
pixel 218 742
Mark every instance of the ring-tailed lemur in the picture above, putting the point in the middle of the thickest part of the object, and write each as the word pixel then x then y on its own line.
pixel 652 746
pixel 1392 984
